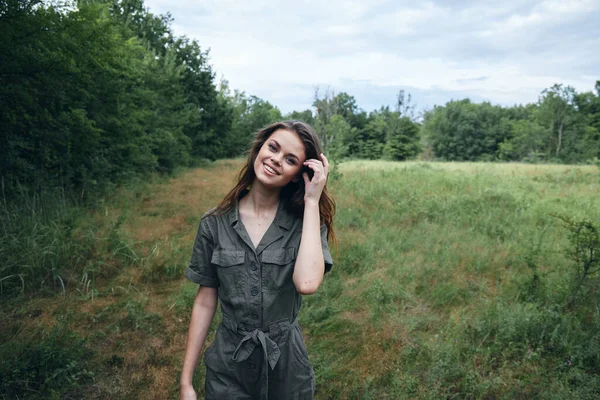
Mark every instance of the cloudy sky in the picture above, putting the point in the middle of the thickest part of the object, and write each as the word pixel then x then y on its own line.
pixel 505 52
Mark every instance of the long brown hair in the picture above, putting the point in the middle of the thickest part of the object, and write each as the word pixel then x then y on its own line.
pixel 293 192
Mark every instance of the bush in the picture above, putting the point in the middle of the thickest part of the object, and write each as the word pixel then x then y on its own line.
pixel 44 365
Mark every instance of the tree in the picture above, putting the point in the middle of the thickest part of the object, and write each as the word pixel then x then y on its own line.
pixel 463 131
pixel 304 116
pixel 556 113
pixel 250 113
pixel 345 137
pixel 372 137
pixel 325 107
pixel 402 139
pixel 588 106
pixel 94 94
pixel 526 144
pixel 404 105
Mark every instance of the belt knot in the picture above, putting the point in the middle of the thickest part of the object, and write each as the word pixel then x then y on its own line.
pixel 249 342
pixel 257 337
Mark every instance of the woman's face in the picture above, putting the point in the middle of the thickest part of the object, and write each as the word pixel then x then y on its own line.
pixel 279 160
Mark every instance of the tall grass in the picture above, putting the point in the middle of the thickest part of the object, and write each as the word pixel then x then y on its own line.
pixel 52 242
pixel 36 243
pixel 451 281
pixel 44 364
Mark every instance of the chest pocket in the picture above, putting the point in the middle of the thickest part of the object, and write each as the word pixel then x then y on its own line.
pixel 231 271
pixel 278 268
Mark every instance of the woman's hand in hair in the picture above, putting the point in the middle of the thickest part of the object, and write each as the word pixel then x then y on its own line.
pixel 314 187
pixel 310 264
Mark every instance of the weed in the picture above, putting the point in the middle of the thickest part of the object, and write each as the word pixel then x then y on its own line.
pixel 40 366
pixel 138 319
pixel 380 297
pixel 532 288
pixel 37 244
pixel 181 302
pixel 584 250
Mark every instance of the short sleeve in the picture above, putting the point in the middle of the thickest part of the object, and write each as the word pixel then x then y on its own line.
pixel 200 270
pixel 326 254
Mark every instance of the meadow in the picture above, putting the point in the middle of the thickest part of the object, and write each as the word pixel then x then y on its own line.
pixel 450 281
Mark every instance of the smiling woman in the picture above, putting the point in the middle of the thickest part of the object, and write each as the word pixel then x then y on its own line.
pixel 258 252
pixel 281 156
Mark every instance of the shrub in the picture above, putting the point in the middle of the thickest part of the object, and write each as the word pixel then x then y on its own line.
pixel 44 365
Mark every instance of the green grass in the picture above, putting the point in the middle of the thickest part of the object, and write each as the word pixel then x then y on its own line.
pixel 451 281
pixel 433 286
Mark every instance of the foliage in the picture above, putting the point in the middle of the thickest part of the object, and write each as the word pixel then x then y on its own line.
pixel 348 132
pixel 526 144
pixel 402 142
pixel 563 126
pixel 464 131
pixel 584 250
pixel 249 114
pixel 44 365
pixel 97 94
pixel 556 112
pixel 372 139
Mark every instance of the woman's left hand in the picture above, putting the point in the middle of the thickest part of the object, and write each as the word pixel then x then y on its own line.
pixel 314 187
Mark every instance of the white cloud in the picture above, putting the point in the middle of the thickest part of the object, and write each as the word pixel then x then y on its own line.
pixel 505 53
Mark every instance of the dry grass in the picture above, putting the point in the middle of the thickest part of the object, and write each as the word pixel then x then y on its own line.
pixel 412 270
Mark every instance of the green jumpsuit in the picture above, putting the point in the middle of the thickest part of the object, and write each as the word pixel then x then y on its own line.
pixel 258 351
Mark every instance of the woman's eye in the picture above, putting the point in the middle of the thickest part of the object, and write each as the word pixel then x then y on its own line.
pixel 271 147
pixel 291 161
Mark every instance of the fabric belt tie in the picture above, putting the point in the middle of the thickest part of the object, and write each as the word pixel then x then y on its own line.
pixel 270 350
pixel 249 342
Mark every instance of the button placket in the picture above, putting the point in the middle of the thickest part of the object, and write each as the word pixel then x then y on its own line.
pixel 255 290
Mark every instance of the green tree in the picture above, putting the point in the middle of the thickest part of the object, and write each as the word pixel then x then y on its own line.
pixel 464 131
pixel 250 113
pixel 526 144
pixel 325 108
pixel 372 137
pixel 304 116
pixel 402 139
pixel 588 107
pixel 345 137
pixel 86 102
pixel 556 113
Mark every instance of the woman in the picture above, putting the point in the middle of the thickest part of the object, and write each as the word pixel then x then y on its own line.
pixel 258 251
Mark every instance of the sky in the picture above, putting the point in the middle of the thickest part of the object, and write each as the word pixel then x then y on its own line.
pixel 505 52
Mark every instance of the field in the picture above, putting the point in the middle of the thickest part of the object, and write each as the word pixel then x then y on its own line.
pixel 450 280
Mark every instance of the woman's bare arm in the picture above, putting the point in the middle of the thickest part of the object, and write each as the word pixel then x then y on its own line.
pixel 203 312
pixel 310 265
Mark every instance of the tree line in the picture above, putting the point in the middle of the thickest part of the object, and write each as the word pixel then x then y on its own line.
pixel 563 127
pixel 95 92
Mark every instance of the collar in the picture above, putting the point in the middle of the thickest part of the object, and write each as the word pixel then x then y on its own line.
pixel 282 219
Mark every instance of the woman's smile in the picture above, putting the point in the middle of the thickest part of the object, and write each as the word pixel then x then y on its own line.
pixel 270 170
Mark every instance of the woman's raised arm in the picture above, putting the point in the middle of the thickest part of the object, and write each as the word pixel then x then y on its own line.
pixel 310 264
